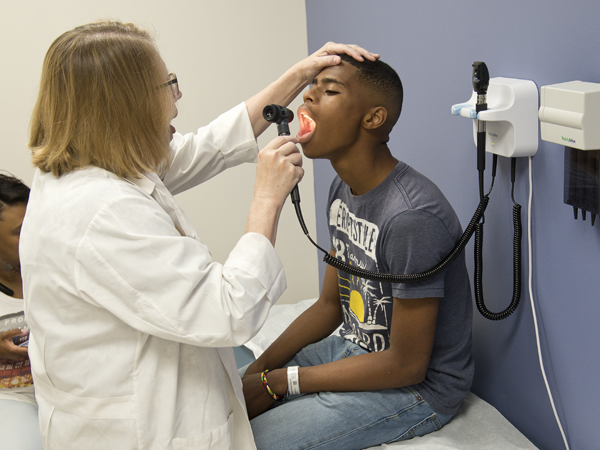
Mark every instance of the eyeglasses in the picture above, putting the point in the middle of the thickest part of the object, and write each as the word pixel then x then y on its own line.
pixel 173 83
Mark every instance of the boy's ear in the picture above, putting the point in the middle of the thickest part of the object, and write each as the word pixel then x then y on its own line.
pixel 375 118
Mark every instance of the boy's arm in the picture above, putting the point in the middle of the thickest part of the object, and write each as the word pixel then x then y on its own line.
pixel 403 364
pixel 314 324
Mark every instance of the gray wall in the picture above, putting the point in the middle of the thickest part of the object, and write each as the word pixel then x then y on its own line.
pixel 432 44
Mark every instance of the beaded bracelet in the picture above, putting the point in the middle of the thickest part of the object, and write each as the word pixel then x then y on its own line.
pixel 274 396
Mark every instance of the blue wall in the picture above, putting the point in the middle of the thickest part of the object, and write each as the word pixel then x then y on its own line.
pixel 432 45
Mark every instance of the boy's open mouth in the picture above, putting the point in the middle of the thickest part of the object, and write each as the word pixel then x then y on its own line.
pixel 307 126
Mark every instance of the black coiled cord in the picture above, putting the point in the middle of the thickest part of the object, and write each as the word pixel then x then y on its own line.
pixel 475 226
pixel 478 283
pixel 518 233
pixel 404 278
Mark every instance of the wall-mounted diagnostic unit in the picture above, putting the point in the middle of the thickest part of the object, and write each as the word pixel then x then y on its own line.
pixel 504 113
pixel 570 115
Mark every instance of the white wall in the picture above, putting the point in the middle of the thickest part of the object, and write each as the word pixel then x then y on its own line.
pixel 223 52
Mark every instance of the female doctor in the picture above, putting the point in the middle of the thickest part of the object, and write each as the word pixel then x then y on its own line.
pixel 131 321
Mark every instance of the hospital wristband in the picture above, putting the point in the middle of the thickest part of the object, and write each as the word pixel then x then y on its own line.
pixel 274 396
pixel 293 381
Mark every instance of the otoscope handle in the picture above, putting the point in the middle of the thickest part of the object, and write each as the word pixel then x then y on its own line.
pixel 481 150
pixel 283 129
pixel 481 81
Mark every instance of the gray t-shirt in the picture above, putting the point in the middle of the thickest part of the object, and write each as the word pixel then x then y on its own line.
pixel 405 225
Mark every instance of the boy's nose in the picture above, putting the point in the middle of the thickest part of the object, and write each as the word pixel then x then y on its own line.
pixel 308 96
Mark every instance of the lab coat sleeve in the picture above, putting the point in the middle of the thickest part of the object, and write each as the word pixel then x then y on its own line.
pixel 196 157
pixel 132 262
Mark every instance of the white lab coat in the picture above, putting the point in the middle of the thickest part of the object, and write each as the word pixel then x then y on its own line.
pixel 132 322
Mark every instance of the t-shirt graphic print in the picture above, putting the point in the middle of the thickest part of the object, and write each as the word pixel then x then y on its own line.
pixel 366 306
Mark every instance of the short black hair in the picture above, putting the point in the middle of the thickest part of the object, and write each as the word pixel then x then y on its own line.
pixel 12 192
pixel 381 77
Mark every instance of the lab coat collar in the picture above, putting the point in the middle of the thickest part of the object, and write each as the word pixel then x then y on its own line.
pixel 144 183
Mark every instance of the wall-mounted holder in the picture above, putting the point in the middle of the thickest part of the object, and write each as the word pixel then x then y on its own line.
pixel 511 117
pixel 569 114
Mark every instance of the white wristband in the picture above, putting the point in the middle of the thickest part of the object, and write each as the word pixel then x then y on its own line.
pixel 293 381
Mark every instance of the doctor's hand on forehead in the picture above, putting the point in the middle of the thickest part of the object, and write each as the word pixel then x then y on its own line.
pixel 285 89
pixel 328 56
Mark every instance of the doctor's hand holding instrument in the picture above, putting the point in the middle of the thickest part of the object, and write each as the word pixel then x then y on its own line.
pixel 282 117
pixel 278 171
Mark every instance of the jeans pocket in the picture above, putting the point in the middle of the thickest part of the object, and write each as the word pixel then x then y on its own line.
pixel 415 393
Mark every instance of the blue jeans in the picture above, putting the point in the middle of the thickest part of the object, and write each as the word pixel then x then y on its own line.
pixel 343 420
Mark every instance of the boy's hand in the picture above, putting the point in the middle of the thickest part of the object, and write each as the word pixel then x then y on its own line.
pixel 327 56
pixel 8 349
pixel 257 398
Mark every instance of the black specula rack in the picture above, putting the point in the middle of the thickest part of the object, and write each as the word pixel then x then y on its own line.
pixel 582 182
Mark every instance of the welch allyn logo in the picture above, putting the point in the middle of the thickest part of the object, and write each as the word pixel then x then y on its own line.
pixel 569 140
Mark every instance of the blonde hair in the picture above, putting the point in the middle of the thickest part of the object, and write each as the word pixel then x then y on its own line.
pixel 99 103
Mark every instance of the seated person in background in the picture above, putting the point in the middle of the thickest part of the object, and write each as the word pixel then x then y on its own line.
pixel 402 363
pixel 18 409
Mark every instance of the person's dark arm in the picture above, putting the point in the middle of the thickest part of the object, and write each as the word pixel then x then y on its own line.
pixel 404 363
pixel 314 324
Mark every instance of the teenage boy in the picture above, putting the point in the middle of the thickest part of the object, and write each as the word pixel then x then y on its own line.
pixel 402 361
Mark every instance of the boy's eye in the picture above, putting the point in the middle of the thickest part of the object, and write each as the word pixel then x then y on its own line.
pixel 328 92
